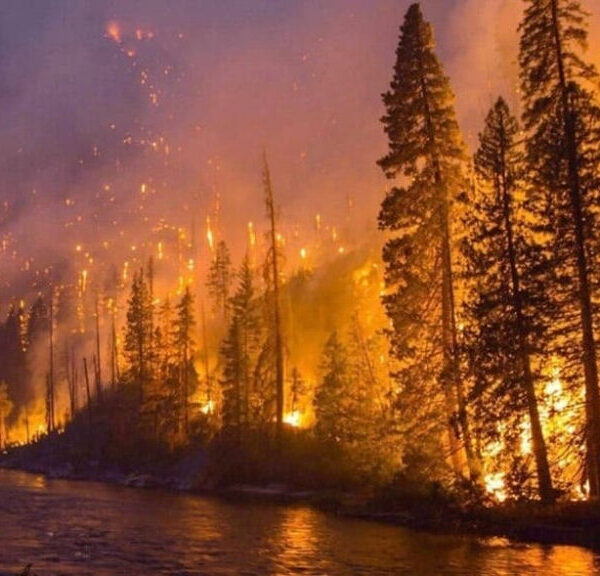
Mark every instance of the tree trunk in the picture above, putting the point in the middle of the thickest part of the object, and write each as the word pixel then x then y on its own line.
pixel 279 376
pixel 51 423
pixel 87 389
pixel 453 389
pixel 584 292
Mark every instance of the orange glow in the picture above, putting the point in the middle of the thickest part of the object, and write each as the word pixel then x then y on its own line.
pixel 209 235
pixel 293 418
pixel 113 32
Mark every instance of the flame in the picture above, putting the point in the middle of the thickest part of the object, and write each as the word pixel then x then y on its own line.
pixel 209 235
pixel 496 486
pixel 526 446
pixel 251 235
pixel 208 408
pixel 293 418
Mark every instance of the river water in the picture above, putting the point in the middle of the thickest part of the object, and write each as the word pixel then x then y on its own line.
pixel 77 528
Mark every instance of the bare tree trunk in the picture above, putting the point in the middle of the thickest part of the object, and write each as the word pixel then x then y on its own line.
pixel 205 356
pixel 97 358
pixel 51 423
pixel 279 375
pixel 97 382
pixel 87 389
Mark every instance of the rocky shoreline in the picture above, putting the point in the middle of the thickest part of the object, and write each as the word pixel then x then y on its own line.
pixel 562 524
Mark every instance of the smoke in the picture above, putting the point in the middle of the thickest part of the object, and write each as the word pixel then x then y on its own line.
pixel 123 118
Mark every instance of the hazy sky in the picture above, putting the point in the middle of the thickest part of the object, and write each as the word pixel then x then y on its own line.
pixel 102 100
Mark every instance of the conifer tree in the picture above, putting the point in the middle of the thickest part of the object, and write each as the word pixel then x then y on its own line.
pixel 426 154
pixel 13 368
pixel 220 278
pixel 184 328
pixel 333 398
pixel 137 345
pixel 6 407
pixel 503 269
pixel 165 340
pixel 562 119
pixel 240 351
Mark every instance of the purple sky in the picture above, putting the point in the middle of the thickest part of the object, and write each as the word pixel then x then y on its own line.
pixel 205 85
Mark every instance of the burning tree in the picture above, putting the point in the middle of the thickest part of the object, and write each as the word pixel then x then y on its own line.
pixel 427 154
pixel 504 271
pixel 240 351
pixel 562 121
pixel 219 279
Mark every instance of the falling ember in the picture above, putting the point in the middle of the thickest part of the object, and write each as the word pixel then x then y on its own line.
pixel 191 265
pixel 161 253
pixel 251 235
pixel 113 32
pixel 303 253
pixel 209 235
pixel 125 271
pixel 83 279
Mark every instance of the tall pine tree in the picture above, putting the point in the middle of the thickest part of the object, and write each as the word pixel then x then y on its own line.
pixel 503 270
pixel 240 352
pixel 184 330
pixel 427 154
pixel 563 124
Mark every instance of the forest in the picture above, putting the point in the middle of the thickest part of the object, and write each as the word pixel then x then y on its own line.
pixel 452 347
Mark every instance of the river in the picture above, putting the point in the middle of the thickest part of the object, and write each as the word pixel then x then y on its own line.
pixel 84 528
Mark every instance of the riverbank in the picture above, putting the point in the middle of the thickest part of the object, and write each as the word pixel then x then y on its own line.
pixel 568 523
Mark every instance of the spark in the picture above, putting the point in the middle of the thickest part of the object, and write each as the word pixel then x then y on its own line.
pixel 113 32
pixel 251 235
pixel 209 235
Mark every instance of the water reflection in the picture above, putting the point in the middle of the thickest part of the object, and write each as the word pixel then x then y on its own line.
pixel 72 528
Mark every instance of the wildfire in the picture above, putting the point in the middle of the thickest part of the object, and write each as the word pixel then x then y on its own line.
pixel 496 486
pixel 208 408
pixel 293 418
